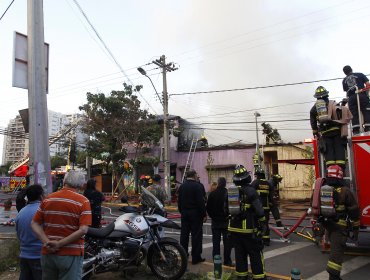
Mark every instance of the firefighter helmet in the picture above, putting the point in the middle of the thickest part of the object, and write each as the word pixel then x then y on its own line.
pixel 335 171
pixel 241 175
pixel 321 92
pixel 277 177
pixel 260 173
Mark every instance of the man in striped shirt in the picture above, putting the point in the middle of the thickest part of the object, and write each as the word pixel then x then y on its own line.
pixel 60 223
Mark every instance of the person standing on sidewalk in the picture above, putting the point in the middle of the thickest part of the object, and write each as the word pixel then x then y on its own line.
pixel 96 198
pixel 218 211
pixel 30 255
pixel 192 208
pixel 60 223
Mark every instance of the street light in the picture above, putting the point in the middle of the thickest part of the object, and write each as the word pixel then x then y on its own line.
pixel 166 154
pixel 143 72
pixel 256 114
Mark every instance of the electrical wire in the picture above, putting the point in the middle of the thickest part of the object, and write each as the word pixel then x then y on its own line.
pixel 110 53
pixel 258 87
pixel 11 3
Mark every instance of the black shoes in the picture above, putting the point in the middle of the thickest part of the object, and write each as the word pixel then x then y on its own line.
pixel 279 224
pixel 198 261
pixel 230 263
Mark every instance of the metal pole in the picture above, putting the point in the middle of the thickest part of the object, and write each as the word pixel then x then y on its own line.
pixel 166 142
pixel 256 114
pixel 39 164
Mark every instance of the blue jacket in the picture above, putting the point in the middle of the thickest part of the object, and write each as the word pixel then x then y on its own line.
pixel 30 244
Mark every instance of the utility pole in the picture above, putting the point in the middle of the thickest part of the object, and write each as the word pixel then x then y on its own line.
pixel 256 114
pixel 166 136
pixel 39 164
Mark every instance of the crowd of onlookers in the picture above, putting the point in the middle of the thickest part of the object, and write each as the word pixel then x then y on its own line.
pixel 51 228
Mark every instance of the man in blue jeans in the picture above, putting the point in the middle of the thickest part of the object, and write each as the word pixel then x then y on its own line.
pixel 30 245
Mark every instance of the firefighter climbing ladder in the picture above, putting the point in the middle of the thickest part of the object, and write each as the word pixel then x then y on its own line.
pixel 190 158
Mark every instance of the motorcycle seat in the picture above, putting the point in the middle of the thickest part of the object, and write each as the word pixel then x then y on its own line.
pixel 100 232
pixel 129 209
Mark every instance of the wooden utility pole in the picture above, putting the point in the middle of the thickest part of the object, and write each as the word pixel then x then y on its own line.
pixel 166 136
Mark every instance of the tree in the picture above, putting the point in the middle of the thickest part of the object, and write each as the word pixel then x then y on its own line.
pixel 57 161
pixel 115 120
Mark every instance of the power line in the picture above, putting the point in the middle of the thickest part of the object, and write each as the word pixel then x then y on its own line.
pixel 109 51
pixel 11 3
pixel 236 129
pixel 250 110
pixel 245 122
pixel 258 87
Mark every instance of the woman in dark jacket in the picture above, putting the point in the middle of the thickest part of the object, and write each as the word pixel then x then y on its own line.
pixel 96 198
pixel 218 211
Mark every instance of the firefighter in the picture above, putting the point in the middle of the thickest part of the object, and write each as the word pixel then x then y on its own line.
pixel 246 227
pixel 266 193
pixel 203 142
pixel 351 83
pixel 275 181
pixel 327 122
pixel 339 215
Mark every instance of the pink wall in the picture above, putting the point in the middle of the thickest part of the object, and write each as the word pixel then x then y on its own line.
pixel 221 157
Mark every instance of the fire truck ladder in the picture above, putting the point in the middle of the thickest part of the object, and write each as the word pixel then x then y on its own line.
pixel 190 158
pixel 65 130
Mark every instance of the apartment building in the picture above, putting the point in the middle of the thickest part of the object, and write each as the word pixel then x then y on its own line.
pixel 16 146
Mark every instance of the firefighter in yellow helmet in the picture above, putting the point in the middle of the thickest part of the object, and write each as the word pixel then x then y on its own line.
pixel 246 227
pixel 328 122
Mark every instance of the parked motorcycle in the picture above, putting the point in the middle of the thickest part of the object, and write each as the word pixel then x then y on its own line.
pixel 132 238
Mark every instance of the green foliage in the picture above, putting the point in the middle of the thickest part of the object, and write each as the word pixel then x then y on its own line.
pixel 115 120
pixel 9 254
pixel 81 158
pixel 5 168
pixel 148 160
pixel 57 161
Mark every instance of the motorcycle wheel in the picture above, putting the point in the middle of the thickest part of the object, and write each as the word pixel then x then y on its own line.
pixel 173 267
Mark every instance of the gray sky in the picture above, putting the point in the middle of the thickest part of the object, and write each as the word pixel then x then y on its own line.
pixel 217 45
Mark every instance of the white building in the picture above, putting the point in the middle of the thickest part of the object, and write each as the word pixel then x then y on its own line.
pixel 17 147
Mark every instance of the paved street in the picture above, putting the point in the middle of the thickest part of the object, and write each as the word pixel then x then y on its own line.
pixel 280 257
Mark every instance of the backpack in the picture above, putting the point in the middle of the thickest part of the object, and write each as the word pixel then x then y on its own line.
pixel 327 201
pixel 323 200
pixel 322 111
pixel 234 200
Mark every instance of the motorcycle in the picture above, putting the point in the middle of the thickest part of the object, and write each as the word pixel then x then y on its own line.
pixel 132 238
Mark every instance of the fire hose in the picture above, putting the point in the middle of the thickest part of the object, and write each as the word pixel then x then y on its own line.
pixel 294 227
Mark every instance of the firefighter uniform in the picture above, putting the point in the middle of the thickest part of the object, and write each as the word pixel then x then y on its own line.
pixel 346 219
pixel 246 227
pixel 331 142
pixel 266 193
pixel 274 181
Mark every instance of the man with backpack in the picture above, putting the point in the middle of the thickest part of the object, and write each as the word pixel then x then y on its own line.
pixel 339 214
pixel 329 125
pixel 247 225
